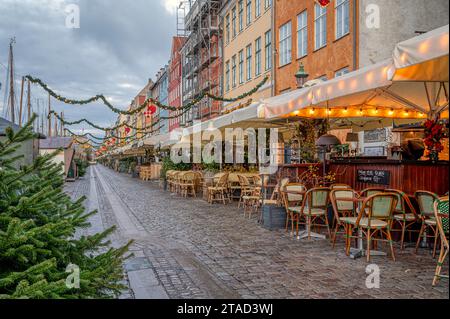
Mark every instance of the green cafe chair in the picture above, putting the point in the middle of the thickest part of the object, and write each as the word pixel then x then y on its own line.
pixel 441 216
pixel 343 206
pixel 315 210
pixel 427 218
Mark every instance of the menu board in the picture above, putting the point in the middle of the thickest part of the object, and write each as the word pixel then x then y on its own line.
pixel 376 177
pixel 375 136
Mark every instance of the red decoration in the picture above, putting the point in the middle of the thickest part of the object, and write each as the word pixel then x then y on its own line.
pixel 323 3
pixel 434 133
pixel 127 130
pixel 151 109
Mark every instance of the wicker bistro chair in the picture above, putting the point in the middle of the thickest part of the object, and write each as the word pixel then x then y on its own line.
pixel 441 215
pixel 246 188
pixel 188 184
pixel 375 218
pixel 293 195
pixel 251 202
pixel 427 218
pixel 276 198
pixel 315 209
pixel 401 217
pixel 344 205
pixel 340 186
pixel 371 191
pixel 219 192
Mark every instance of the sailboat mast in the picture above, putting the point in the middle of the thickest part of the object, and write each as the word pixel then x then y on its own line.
pixel 11 81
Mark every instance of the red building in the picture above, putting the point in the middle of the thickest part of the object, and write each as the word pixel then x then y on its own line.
pixel 175 80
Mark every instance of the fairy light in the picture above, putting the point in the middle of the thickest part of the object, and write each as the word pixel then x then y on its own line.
pixel 346 110
pixel 361 112
pixel 312 111
pixel 391 112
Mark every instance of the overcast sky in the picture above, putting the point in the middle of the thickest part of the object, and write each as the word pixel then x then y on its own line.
pixel 120 45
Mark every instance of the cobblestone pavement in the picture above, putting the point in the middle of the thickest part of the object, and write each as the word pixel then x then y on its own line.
pixel 186 248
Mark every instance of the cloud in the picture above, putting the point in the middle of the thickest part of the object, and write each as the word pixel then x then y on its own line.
pixel 171 5
pixel 118 47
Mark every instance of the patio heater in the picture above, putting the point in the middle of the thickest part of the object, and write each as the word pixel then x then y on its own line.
pixel 301 76
pixel 325 143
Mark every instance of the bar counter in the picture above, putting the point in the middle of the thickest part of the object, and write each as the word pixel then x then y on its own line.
pixel 408 176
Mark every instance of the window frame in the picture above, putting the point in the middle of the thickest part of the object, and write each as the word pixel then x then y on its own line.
pixel 321 21
pixel 249 57
pixel 268 63
pixel 233 21
pixel 258 57
pixel 233 72
pixel 257 8
pixel 241 15
pixel 227 28
pixel 285 43
pixel 227 76
pixel 345 27
pixel 303 32
pixel 248 12
pixel 241 66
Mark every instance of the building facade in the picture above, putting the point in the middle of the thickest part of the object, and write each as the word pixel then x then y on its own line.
pixel 175 81
pixel 247 48
pixel 202 67
pixel 339 38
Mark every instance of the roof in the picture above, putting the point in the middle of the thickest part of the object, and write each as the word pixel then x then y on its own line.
pixel 53 143
pixel 4 123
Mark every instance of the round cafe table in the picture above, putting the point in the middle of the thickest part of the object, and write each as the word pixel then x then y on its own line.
pixel 360 251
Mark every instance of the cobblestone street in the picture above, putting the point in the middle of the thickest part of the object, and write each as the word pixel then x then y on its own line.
pixel 186 248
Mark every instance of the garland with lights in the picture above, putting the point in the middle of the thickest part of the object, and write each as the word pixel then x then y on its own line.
pixel 149 103
pixel 112 136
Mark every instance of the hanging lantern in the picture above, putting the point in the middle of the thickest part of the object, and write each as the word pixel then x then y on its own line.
pixel 127 130
pixel 323 3
pixel 151 109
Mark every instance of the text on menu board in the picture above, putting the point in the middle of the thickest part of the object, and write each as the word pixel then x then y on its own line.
pixel 377 177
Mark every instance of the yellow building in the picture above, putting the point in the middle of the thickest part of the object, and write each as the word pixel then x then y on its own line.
pixel 247 48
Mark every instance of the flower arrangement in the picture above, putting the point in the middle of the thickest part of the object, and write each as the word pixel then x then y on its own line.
pixel 434 133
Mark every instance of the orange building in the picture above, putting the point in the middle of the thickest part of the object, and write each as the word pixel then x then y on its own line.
pixel 322 38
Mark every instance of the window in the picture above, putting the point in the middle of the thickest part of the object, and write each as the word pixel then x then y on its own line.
pixel 342 18
pixel 268 50
pixel 249 12
pixel 249 62
pixel 227 76
pixel 267 4
pixel 241 15
pixel 233 18
pixel 227 28
pixel 341 72
pixel 285 44
pixel 257 8
pixel 258 57
pixel 241 66
pixel 233 70
pixel 302 34
pixel 320 25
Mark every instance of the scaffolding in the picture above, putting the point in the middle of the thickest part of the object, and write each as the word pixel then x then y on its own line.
pixel 201 58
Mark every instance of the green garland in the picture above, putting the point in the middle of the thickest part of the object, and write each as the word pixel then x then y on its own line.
pixel 102 98
pixel 111 136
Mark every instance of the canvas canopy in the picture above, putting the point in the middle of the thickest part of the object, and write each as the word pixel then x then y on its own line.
pixel 372 92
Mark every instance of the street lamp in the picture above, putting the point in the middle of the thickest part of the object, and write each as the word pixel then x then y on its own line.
pixel 301 76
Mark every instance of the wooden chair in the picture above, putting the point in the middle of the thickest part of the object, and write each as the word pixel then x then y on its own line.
pixel 402 217
pixel 246 188
pixel 441 215
pixel 340 186
pixel 219 192
pixel 188 184
pixel 251 202
pixel 315 210
pixel 293 195
pixel 426 202
pixel 276 198
pixel 375 218
pixel 342 201
pixel 371 191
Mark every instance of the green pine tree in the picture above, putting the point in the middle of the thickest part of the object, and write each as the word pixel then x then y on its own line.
pixel 38 222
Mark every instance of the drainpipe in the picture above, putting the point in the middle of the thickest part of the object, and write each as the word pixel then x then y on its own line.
pixel 355 34
pixel 273 73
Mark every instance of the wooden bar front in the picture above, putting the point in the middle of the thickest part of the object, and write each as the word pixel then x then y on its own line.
pixel 404 175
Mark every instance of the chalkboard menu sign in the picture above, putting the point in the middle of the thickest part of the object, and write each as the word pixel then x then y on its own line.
pixel 375 136
pixel 376 177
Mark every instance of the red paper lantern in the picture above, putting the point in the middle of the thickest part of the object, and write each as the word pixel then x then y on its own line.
pixel 323 3
pixel 151 109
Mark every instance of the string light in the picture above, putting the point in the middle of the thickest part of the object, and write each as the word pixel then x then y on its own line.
pixel 391 112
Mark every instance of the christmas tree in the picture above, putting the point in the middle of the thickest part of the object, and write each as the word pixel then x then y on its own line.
pixel 40 258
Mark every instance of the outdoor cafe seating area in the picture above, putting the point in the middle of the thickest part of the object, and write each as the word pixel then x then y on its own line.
pixel 371 222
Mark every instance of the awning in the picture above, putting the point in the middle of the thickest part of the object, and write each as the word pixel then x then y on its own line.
pixel 423 58
pixel 369 93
